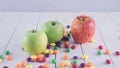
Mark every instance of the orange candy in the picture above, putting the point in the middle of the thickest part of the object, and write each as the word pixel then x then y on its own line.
pixel 86 67
pixel 9 57
pixel 46 66
pixel 65 57
pixel 24 63
pixel 40 55
pixel 90 64
pixel 61 64
pixel 107 52
pixel 18 66
pixel 55 52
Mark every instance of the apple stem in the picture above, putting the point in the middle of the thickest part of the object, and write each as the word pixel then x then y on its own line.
pixel 82 19
pixel 53 23
pixel 33 31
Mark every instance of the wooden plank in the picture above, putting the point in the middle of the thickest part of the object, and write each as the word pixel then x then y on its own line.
pixel 109 34
pixel 66 19
pixel 28 22
pixel 44 17
pixel 7 26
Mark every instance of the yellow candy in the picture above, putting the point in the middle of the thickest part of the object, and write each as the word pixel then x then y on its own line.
pixel 1 60
pixel 52 44
pixel 92 67
pixel 33 57
pixel 84 57
pixel 46 51
pixel 91 40
pixel 50 51
pixel 66 63
pixel 29 66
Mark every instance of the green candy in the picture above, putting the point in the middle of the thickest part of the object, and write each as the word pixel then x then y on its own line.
pixel 53 61
pixel 74 61
pixel 68 50
pixel 56 48
pixel 99 52
pixel 69 34
pixel 7 52
pixel 1 57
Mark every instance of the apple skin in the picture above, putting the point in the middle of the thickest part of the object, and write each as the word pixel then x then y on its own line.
pixel 54 31
pixel 83 28
pixel 34 42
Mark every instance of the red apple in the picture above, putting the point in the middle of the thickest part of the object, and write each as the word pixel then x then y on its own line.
pixel 83 28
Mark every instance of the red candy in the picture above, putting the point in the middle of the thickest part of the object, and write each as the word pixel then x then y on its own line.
pixel 73 47
pixel 67 44
pixel 74 66
pixel 37 59
pixel 107 61
pixel 41 67
pixel 43 59
pixel 117 53
pixel 100 47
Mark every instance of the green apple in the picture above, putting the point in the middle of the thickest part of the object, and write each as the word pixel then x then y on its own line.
pixel 34 42
pixel 54 31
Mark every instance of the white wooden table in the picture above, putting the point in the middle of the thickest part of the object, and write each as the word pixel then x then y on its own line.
pixel 13 25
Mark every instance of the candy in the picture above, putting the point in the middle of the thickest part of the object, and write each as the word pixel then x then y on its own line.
pixel 24 63
pixel 89 64
pixel 1 60
pixel 53 61
pixel 91 40
pixel 40 56
pixel 1 57
pixel 52 44
pixel 74 66
pixel 50 51
pixel 56 48
pixel 84 57
pixel 66 44
pixel 75 57
pixel 7 52
pixel 65 38
pixel 29 66
pixel 69 34
pixel 117 53
pixel 68 26
pixel 46 66
pixel 46 51
pixel 29 59
pixel 5 66
pixel 33 57
pixel 100 47
pixel 38 59
pixel 107 52
pixel 9 57
pixel 47 55
pixel 41 67
pixel 66 63
pixel 49 47
pixel 107 61
pixel 73 47
pixel 18 66
pixel 61 64
pixel 74 61
pixel 43 59
pixel 82 65
pixel 68 50
pixel 86 66
pixel 65 57
pixel 99 52
pixel 55 52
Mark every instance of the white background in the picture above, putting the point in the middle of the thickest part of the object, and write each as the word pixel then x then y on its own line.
pixel 60 5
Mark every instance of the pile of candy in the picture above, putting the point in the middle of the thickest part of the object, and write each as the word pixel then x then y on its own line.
pixel 53 49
